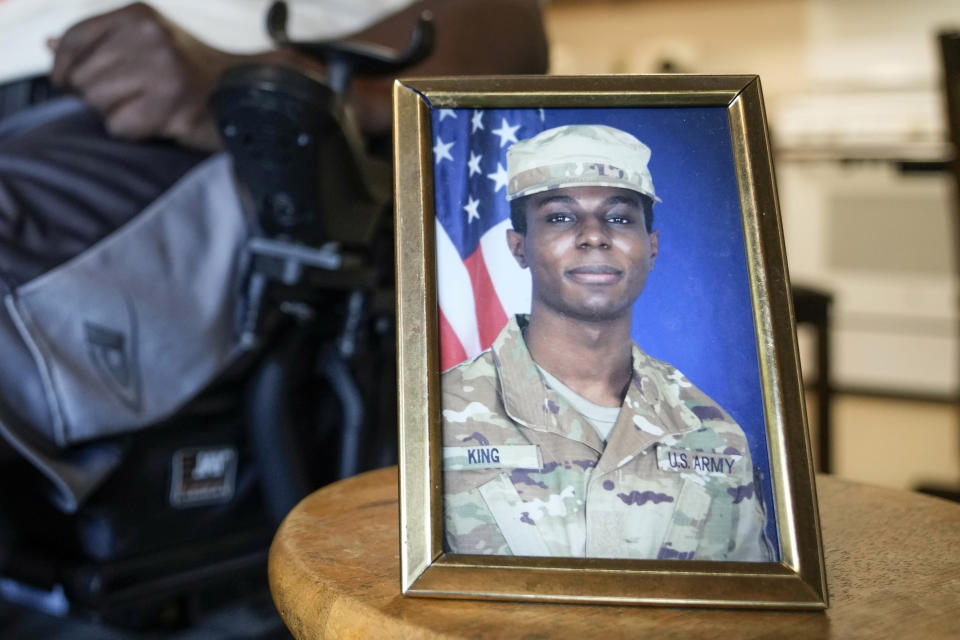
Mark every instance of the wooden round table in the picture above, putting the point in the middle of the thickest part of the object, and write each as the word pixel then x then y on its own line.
pixel 893 571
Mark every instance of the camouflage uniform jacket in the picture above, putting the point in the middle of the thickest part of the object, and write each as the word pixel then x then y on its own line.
pixel 525 474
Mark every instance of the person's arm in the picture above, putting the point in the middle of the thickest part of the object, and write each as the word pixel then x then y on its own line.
pixel 473 37
pixel 149 78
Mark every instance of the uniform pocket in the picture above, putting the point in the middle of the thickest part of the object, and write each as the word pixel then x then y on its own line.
pixel 506 507
pixel 685 531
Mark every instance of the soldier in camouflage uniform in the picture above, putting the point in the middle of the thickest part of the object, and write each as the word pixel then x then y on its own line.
pixel 565 438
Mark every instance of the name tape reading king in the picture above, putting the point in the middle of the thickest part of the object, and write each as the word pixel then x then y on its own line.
pixel 509 456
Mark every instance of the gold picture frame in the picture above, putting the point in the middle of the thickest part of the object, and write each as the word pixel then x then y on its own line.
pixel 797 580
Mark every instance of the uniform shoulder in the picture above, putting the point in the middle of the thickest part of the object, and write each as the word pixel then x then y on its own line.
pixel 677 387
pixel 479 367
pixel 472 404
pixel 473 380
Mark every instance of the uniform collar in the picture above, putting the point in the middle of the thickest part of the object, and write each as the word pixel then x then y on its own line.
pixel 651 409
pixel 527 398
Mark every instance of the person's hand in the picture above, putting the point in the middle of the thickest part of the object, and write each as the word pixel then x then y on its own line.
pixel 147 77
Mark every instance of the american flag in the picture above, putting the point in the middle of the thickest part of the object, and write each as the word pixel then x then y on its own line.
pixel 479 284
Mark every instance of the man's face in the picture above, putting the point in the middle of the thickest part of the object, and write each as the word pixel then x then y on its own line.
pixel 588 250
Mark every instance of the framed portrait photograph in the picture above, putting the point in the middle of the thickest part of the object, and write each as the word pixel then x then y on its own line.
pixel 600 397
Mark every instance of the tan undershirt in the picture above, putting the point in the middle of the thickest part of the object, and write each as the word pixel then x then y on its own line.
pixel 602 418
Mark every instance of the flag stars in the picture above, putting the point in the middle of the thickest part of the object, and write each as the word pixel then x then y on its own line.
pixel 499 177
pixel 476 122
pixel 441 151
pixel 471 209
pixel 447 113
pixel 474 163
pixel 506 133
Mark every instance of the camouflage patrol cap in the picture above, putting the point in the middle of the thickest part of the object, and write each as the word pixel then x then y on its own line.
pixel 578 155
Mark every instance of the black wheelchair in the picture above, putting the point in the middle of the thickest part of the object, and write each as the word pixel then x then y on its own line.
pixel 185 521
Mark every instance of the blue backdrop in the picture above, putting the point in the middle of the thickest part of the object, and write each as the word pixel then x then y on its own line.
pixel 696 310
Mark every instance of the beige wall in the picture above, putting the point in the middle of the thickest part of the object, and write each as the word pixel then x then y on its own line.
pixel 701 36
pixel 795 46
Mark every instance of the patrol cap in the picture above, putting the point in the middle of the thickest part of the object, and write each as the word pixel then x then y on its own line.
pixel 578 155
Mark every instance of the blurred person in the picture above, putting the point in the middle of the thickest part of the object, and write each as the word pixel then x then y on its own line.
pixel 149 76
pixel 85 294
